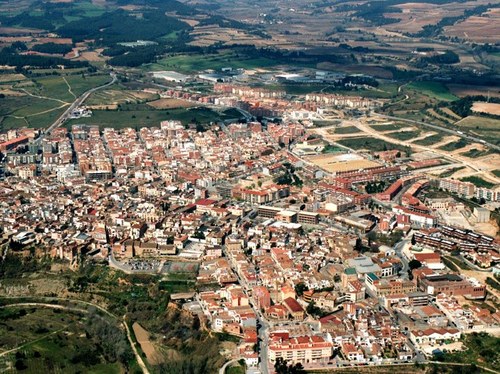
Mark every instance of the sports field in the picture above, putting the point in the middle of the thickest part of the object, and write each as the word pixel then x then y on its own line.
pixel 341 163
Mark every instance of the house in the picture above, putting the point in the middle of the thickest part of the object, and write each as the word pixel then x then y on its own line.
pixel 433 336
pixel 294 309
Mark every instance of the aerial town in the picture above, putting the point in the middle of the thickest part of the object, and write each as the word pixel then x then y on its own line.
pixel 249 187
pixel 323 259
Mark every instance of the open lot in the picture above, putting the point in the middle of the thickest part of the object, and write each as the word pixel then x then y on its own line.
pixel 171 103
pixel 490 108
pixel 343 162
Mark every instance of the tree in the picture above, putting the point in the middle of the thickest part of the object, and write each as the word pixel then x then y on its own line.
pixel 359 245
pixel 300 288
pixel 281 367
pixel 414 264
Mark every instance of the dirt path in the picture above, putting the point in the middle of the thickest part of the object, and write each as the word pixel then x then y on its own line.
pixel 143 338
pixel 69 87
pixel 44 97
pixel 56 306
pixel 136 353
pixel 30 342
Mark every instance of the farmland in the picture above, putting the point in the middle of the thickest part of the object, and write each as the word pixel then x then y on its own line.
pixel 370 144
pixel 433 89
pixel 487 128
pixel 133 115
pixel 194 63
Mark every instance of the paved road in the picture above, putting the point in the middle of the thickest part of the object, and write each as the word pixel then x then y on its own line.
pixel 444 129
pixel 78 102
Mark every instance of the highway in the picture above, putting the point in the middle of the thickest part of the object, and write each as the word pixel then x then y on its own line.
pixel 78 102
pixel 439 128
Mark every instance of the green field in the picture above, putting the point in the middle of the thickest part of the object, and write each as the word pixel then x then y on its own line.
pixel 387 127
pixel 56 88
pixel 50 340
pixel 474 153
pixel 486 128
pixel 478 181
pixel 196 63
pixel 434 90
pixel 453 146
pixel 449 173
pixel 370 144
pixel 430 140
pixel 140 115
pixel 404 135
pixel 20 111
pixel 346 130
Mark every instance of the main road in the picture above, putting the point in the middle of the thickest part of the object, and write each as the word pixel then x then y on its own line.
pixel 78 102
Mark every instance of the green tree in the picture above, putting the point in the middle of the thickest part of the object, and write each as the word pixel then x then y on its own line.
pixel 300 288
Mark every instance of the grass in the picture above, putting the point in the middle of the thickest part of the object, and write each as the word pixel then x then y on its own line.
pixel 434 90
pixel 346 130
pixel 387 127
pixel 51 93
pixel 478 181
pixel 194 63
pixel 486 128
pixel 55 87
pixel 332 149
pixel 133 115
pixel 481 349
pixel 453 146
pixel 429 140
pixel 475 153
pixel 371 144
pixel 457 262
pixel 449 173
pixel 51 341
pixel 404 135
pixel 28 108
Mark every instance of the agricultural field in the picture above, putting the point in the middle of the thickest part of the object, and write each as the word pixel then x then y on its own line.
pixel 39 102
pixel 434 90
pixel 430 140
pixel 486 128
pixel 344 130
pixel 454 145
pixel 131 115
pixel 489 108
pixel 116 96
pixel 46 340
pixel 404 135
pixel 171 104
pixel 370 144
pixel 387 126
pixel 482 29
pixel 475 152
pixel 462 90
pixel 195 63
